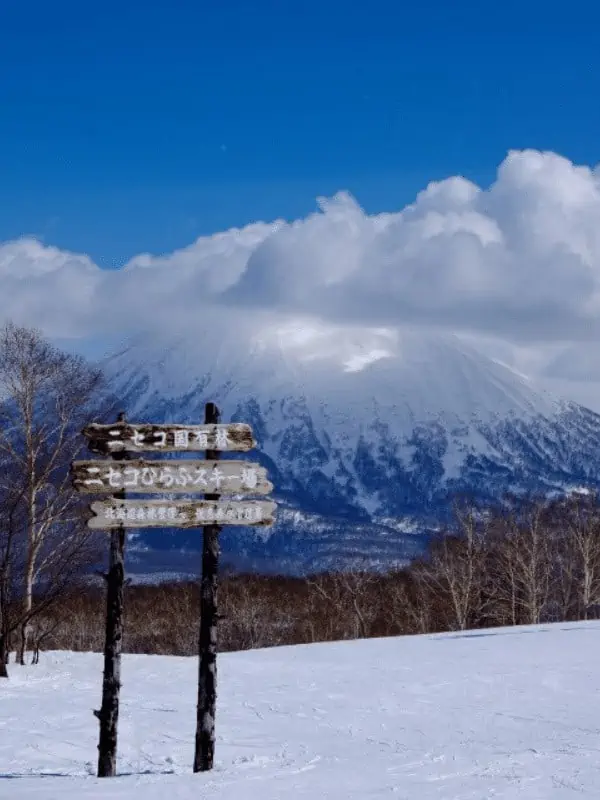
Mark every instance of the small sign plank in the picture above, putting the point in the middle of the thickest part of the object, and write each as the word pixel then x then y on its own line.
pixel 150 477
pixel 180 513
pixel 108 439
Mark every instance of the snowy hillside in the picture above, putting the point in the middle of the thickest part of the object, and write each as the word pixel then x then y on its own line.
pixel 510 714
pixel 374 429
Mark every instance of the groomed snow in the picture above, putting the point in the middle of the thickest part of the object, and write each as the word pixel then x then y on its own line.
pixel 511 713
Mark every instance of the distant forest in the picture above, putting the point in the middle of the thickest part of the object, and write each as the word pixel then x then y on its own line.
pixel 533 562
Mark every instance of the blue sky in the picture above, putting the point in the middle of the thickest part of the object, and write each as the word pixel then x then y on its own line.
pixel 131 127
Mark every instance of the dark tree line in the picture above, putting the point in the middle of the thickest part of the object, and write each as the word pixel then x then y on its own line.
pixel 532 562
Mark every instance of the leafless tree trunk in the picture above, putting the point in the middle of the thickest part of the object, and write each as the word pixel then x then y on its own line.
pixel 41 630
pixel 10 558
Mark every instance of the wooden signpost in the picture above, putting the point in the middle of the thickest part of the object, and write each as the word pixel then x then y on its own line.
pixel 211 477
pixel 204 747
pixel 108 715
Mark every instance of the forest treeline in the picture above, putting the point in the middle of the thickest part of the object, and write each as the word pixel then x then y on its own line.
pixel 529 563
pixel 526 561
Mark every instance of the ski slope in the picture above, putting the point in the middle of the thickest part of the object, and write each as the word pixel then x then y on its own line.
pixel 510 713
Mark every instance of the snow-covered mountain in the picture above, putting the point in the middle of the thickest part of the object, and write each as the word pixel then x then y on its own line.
pixel 366 434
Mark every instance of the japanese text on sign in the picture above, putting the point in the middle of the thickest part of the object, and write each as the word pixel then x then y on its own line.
pixel 167 477
pixel 227 477
pixel 185 514
pixel 182 439
pixel 235 436
pixel 168 513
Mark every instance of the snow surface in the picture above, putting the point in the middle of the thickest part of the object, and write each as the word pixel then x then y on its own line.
pixel 510 713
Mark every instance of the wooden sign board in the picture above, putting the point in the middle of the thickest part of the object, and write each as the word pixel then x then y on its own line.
pixel 150 477
pixel 180 513
pixel 109 439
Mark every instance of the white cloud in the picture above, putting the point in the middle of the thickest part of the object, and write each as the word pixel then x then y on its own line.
pixel 517 263
pixel 520 259
pixel 47 287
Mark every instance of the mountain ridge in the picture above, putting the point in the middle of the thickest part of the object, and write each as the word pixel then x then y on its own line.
pixel 367 436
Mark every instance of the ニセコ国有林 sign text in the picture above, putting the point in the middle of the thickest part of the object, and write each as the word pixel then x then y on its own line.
pixel 108 439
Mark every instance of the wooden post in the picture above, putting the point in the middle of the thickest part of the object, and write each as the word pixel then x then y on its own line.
pixel 207 674
pixel 111 684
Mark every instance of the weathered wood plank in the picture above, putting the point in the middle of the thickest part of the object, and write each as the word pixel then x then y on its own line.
pixel 108 439
pixel 108 715
pixel 180 513
pixel 189 476
pixel 204 747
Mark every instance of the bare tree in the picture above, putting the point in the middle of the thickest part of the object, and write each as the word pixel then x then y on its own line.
pixel 410 604
pixel 455 569
pixel 566 580
pixel 577 520
pixel 46 396
pixel 60 566
pixel 42 628
pixel 12 553
pixel 524 563
pixel 350 600
pixel 249 619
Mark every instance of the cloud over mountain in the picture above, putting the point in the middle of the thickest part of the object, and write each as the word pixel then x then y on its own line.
pixel 517 261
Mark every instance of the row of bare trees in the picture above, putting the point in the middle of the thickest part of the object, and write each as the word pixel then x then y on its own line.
pixel 254 612
pixel 46 395
pixel 530 563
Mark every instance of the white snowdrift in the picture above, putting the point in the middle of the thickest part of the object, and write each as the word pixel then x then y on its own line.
pixel 511 713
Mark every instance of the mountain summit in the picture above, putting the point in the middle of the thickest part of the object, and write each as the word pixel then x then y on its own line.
pixel 367 435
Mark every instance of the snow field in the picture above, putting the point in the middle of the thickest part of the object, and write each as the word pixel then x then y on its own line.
pixel 510 713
